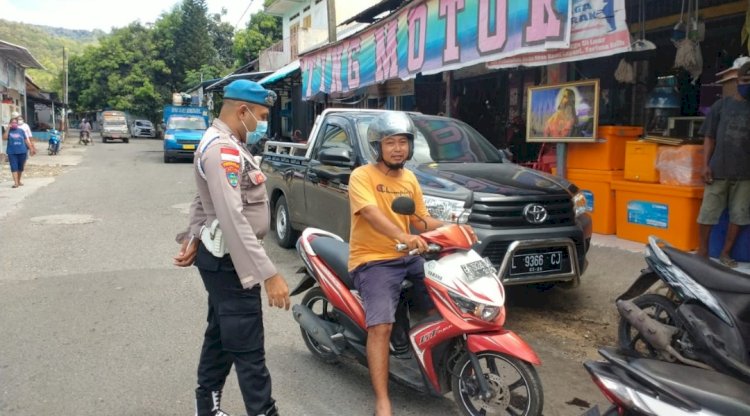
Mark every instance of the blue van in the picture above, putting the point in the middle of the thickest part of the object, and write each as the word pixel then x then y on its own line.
pixel 184 128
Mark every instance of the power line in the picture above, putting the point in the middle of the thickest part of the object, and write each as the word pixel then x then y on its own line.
pixel 243 14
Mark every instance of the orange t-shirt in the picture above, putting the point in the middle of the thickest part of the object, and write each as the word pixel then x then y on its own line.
pixel 370 186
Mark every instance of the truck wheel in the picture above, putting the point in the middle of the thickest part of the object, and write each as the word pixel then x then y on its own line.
pixel 285 235
pixel 126 140
pixel 167 159
pixel 104 140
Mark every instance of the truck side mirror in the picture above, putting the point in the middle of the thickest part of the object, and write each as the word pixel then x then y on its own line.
pixel 336 156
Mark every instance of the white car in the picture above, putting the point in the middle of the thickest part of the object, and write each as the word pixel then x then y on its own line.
pixel 143 128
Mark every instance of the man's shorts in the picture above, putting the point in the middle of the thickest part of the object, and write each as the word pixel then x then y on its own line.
pixel 722 193
pixel 379 286
pixel 17 162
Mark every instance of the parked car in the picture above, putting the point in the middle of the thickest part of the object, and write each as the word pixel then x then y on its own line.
pixel 142 128
pixel 532 226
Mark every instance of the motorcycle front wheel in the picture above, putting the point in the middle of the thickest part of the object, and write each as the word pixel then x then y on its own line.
pixel 514 385
pixel 317 302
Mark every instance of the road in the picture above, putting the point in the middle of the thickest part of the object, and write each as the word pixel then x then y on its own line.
pixel 96 320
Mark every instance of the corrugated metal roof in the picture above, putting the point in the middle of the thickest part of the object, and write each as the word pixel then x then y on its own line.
pixel 19 54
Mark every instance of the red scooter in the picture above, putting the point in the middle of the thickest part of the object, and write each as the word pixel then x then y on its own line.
pixel 463 348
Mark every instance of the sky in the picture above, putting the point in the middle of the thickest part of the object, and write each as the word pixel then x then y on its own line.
pixel 105 14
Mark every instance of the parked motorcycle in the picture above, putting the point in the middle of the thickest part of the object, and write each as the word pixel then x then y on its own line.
pixel 464 348
pixel 53 146
pixel 85 138
pixel 702 321
pixel 639 386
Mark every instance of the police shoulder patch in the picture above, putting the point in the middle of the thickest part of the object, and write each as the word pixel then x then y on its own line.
pixel 233 179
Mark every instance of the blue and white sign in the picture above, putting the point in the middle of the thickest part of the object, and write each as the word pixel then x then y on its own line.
pixel 648 213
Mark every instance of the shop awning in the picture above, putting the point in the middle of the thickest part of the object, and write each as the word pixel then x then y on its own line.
pixel 252 76
pixel 423 38
pixel 19 54
pixel 281 73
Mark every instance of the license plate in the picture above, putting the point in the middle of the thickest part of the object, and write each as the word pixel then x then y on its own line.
pixel 536 263
pixel 188 147
pixel 476 269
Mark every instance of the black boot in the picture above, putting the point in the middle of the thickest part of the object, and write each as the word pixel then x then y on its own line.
pixel 271 410
pixel 208 403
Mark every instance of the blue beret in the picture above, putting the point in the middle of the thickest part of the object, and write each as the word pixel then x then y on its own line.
pixel 249 91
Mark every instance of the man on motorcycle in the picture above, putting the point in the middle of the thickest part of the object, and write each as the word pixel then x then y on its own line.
pixel 85 128
pixel 376 267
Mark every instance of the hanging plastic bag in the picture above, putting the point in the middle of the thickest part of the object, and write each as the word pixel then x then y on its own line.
pixel 625 73
pixel 689 57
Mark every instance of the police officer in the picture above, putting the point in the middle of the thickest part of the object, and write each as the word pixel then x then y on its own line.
pixel 230 216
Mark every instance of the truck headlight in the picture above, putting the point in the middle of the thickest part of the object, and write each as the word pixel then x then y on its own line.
pixel 579 204
pixel 487 313
pixel 448 210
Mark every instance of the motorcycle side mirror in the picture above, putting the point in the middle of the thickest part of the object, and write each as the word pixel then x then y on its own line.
pixel 403 205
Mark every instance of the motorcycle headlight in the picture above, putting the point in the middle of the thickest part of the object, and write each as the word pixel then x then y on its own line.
pixel 487 313
pixel 579 203
pixel 448 210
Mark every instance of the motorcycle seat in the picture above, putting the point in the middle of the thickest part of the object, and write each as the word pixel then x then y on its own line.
pixel 335 254
pixel 712 390
pixel 708 273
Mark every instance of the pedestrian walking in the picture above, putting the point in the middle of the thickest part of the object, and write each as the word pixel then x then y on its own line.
pixel 727 166
pixel 18 148
pixel 230 215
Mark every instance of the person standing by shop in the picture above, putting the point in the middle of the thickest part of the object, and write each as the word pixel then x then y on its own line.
pixel 19 146
pixel 230 216
pixel 727 166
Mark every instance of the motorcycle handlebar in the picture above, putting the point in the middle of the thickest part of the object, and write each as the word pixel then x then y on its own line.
pixel 431 248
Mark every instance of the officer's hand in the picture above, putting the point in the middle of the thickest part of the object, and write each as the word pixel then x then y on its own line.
pixel 708 175
pixel 277 291
pixel 188 251
pixel 413 242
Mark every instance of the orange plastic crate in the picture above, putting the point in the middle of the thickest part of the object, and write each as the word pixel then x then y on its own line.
pixel 668 212
pixel 640 162
pixel 607 153
pixel 596 186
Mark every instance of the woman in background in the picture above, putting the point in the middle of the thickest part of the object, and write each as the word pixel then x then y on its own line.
pixel 19 146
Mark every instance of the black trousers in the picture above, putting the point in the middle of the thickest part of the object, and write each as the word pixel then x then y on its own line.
pixel 234 334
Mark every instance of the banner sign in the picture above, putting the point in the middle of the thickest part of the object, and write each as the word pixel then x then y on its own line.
pixel 432 36
pixel 598 28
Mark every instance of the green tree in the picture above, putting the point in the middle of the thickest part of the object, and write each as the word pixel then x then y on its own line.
pixel 222 37
pixel 120 74
pixel 263 30
pixel 193 45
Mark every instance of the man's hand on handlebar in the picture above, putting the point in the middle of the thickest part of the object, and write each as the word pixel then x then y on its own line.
pixel 413 242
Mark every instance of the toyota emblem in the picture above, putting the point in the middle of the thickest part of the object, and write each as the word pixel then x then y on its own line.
pixel 535 213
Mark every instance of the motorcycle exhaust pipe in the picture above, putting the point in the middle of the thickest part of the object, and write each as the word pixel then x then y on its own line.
pixel 319 329
pixel 657 334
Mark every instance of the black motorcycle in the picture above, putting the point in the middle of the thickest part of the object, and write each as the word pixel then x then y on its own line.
pixel 703 320
pixel 639 386
pixel 85 138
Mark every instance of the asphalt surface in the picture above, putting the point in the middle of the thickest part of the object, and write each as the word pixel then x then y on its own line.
pixel 96 319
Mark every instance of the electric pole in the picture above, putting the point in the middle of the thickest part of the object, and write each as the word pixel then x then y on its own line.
pixel 65 90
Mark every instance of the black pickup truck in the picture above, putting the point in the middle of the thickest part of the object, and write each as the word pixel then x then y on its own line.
pixel 531 225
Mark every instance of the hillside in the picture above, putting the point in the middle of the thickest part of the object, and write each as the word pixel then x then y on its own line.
pixel 46 44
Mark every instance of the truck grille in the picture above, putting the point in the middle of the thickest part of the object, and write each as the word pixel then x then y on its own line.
pixel 508 212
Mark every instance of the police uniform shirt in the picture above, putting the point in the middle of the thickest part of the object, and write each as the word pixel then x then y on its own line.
pixel 231 189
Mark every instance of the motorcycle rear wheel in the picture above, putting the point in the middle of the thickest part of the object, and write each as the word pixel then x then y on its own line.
pixel 316 300
pixel 515 384
pixel 659 308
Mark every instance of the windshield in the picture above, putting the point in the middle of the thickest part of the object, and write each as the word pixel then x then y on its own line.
pixel 443 140
pixel 186 123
